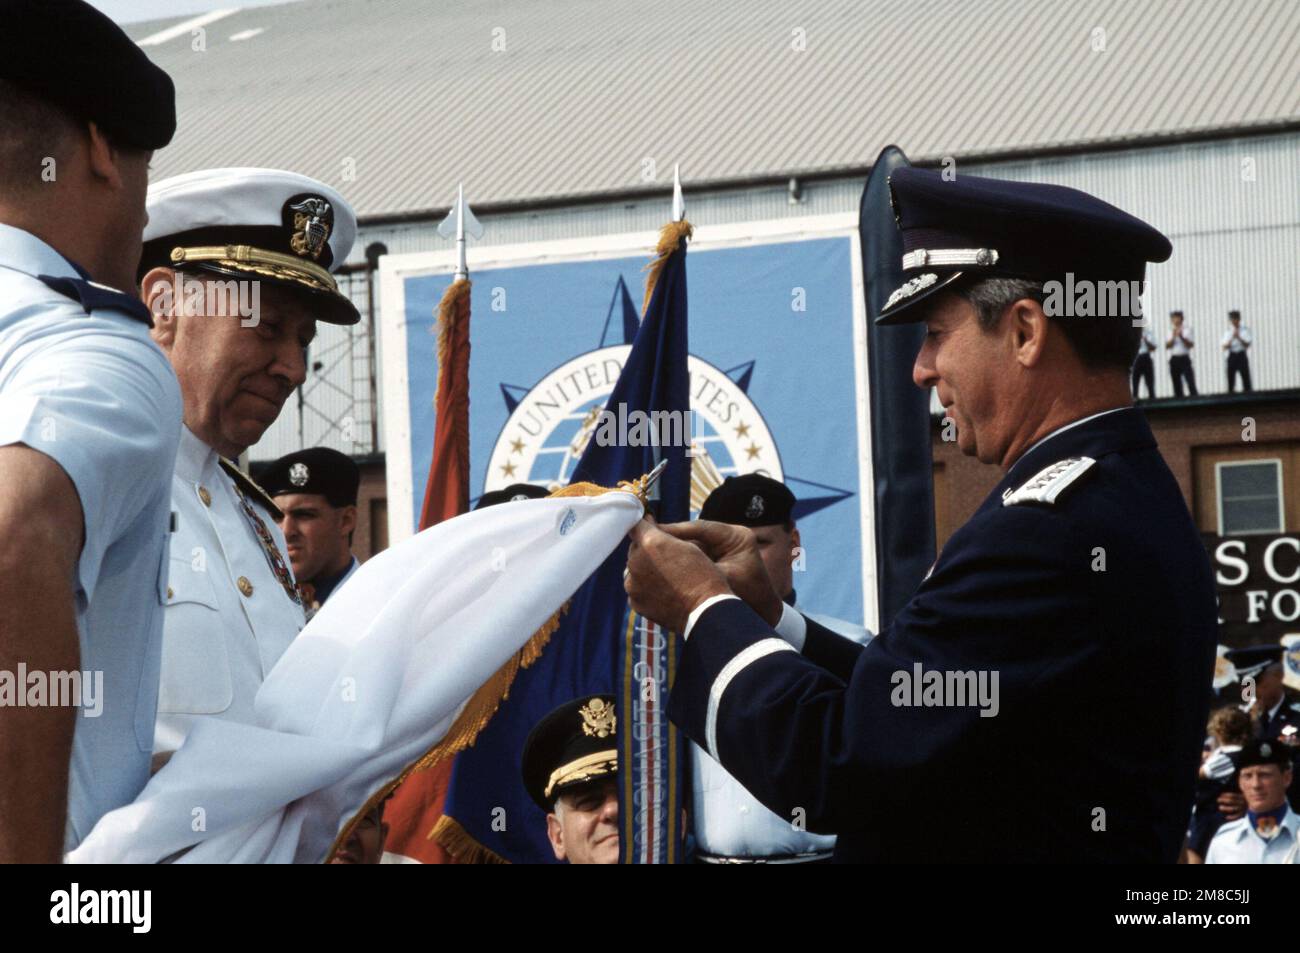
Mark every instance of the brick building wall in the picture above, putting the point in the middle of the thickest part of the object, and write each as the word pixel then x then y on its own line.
pixel 1192 434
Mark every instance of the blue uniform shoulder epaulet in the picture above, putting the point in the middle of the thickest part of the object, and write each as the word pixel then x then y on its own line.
pixel 250 488
pixel 93 296
pixel 1049 485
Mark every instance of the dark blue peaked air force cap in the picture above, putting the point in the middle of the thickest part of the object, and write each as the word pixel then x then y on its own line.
pixel 974 227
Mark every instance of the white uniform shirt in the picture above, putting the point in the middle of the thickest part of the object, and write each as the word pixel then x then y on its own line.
pixel 1148 343
pixel 95 394
pixel 229 615
pixel 1237 843
pixel 730 822
pixel 1178 348
pixel 1236 345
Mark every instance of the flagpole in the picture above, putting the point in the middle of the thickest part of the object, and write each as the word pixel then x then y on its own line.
pixel 417 803
pixel 679 204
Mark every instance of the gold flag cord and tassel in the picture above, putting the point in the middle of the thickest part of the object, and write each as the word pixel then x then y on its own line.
pixel 448 318
pixel 478 711
pixel 670 238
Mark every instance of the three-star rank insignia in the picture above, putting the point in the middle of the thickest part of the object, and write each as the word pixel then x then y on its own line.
pixel 597 718
pixel 312 221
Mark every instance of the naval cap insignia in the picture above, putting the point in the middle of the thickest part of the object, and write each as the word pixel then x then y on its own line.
pixel 313 220
pixel 299 474
pixel 597 718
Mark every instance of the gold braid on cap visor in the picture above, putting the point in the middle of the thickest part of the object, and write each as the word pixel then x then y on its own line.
pixel 591 766
pixel 261 262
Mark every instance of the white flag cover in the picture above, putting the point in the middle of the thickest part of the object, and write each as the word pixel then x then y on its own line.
pixel 372 683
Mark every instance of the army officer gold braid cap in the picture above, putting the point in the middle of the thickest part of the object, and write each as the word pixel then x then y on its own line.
pixel 573 745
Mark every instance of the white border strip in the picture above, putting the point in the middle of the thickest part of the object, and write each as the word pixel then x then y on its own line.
pixel 396 418
pixel 866 454
pixel 747 656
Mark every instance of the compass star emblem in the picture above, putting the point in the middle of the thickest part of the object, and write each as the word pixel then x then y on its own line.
pixel 549 423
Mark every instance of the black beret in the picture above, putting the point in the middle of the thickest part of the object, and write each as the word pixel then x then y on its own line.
pixel 1264 751
pixel 749 500
pixel 515 491
pixel 319 470
pixel 972 226
pixel 70 54
pixel 572 746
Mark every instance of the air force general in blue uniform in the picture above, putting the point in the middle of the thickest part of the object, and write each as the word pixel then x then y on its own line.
pixel 1043 695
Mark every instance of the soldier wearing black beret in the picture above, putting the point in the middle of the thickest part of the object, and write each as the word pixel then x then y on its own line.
pixel 1082 566
pixel 89 409
pixel 316 491
pixel 570 770
pixel 1270 831
pixel 766 506
pixel 1275 715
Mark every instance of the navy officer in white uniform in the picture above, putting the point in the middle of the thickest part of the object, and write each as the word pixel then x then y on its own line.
pixel 237 272
pixel 89 419
pixel 997 718
pixel 316 491
pixel 729 823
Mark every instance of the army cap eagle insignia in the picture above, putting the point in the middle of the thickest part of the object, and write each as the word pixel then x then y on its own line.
pixel 597 718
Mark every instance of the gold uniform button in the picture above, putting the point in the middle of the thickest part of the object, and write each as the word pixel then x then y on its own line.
pixel 245 586
pixel 205 496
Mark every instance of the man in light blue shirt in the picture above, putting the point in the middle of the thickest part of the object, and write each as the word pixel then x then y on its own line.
pixel 1269 832
pixel 729 823
pixel 89 423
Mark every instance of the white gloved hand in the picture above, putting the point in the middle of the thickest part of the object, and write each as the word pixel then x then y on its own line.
pixel 1219 764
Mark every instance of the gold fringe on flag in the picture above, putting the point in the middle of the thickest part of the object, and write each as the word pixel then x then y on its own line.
pixel 670 237
pixel 449 315
pixel 453 321
pixel 480 708
pixel 459 843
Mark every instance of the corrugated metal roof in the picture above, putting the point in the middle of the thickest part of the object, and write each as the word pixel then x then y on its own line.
pixel 585 91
